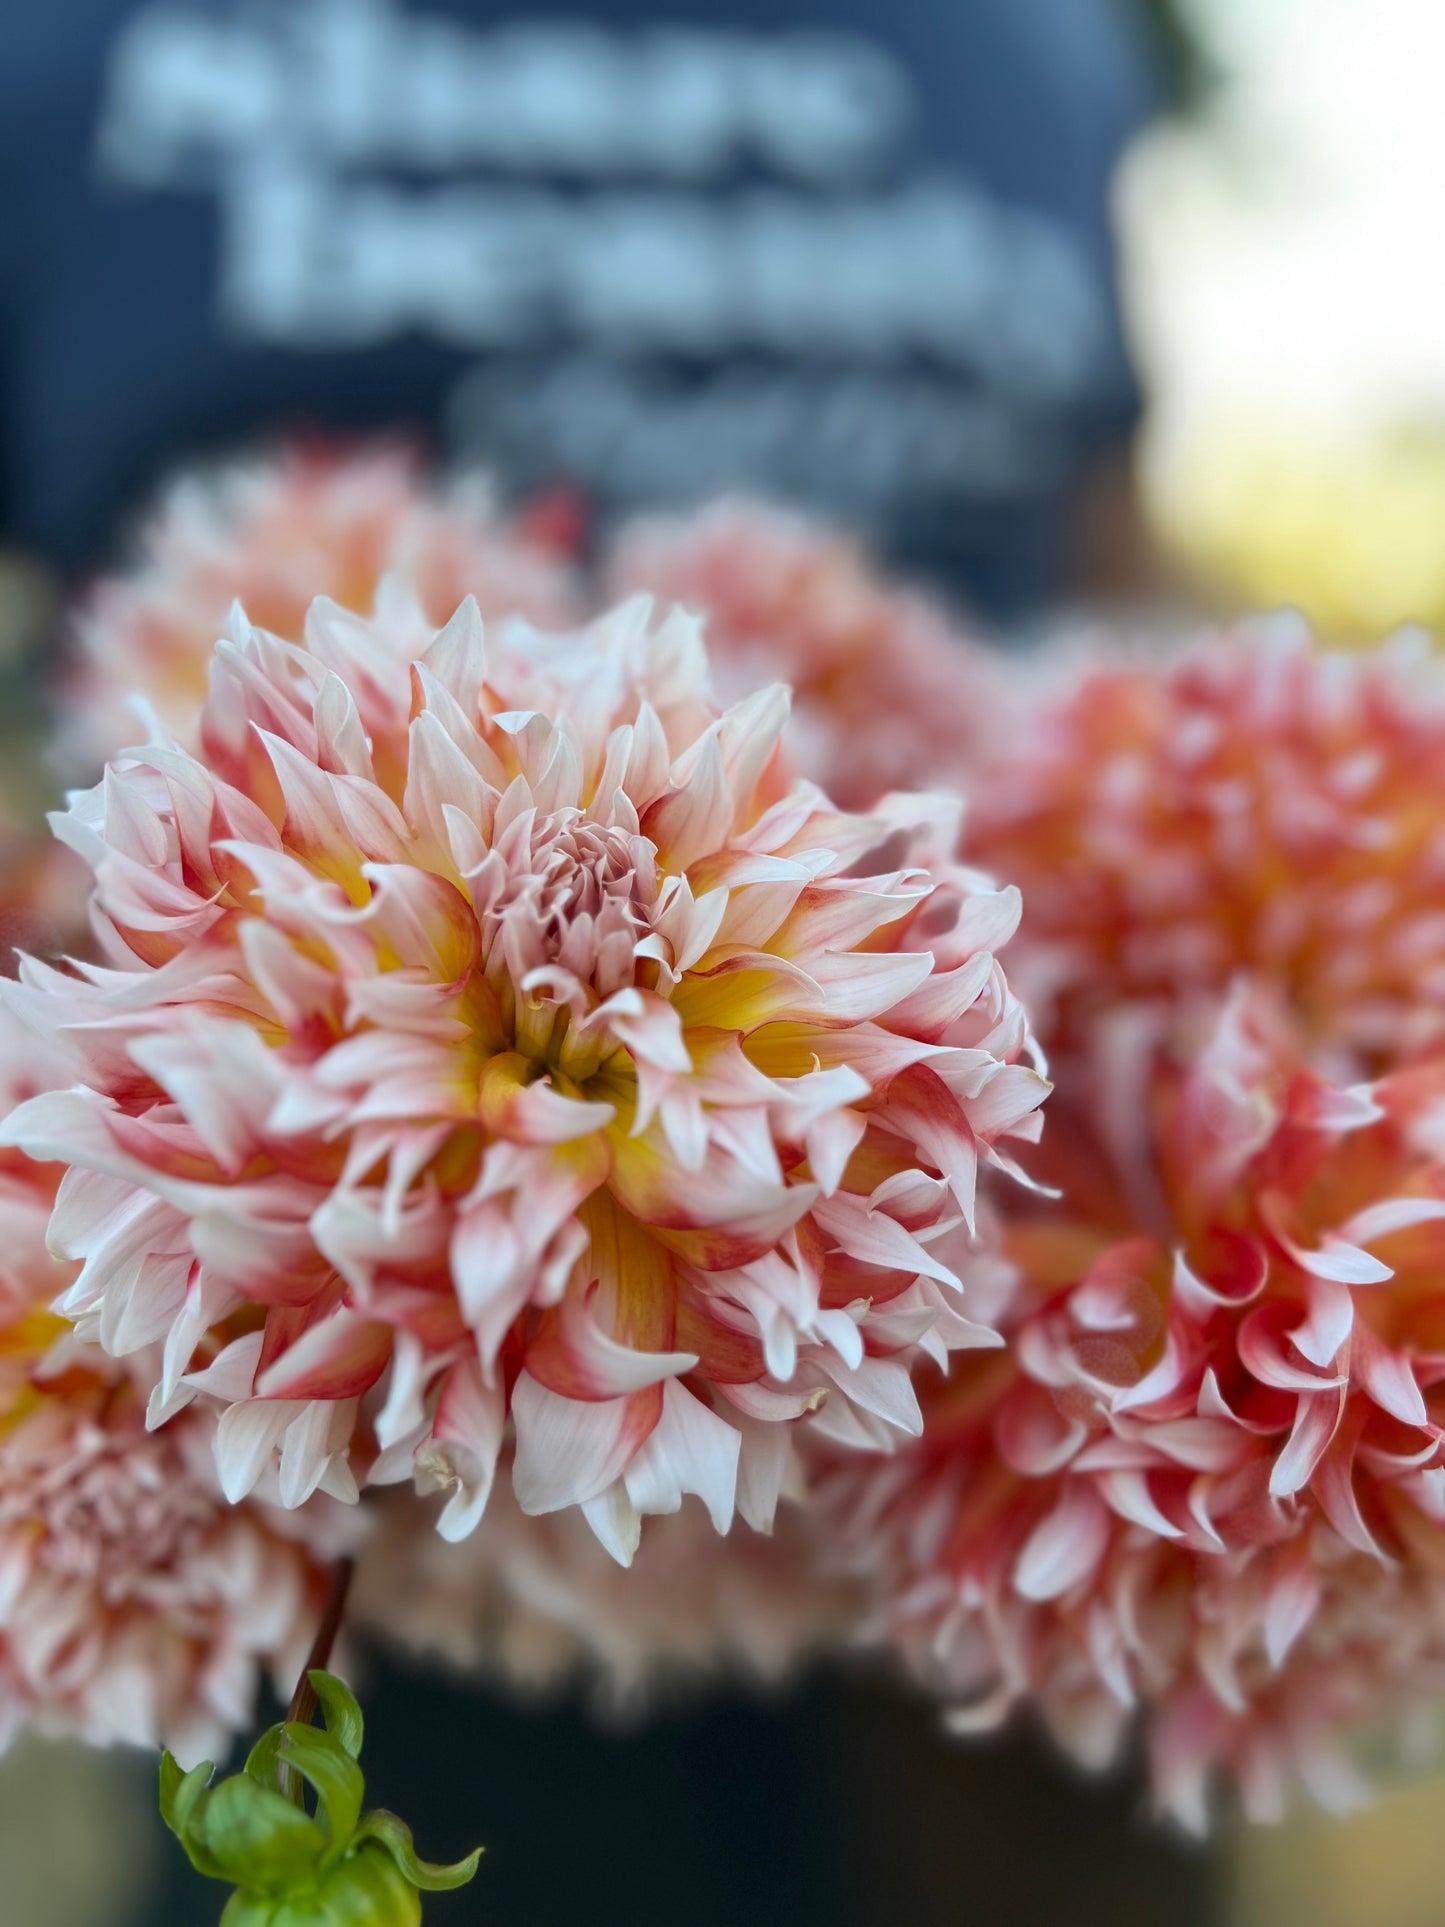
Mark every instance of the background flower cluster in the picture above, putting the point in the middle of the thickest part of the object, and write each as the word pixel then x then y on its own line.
pixel 960 1171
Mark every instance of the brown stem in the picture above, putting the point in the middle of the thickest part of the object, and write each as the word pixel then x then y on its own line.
pixel 303 1700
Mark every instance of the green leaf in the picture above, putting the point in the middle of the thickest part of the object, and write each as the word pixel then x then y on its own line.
pixel 252 1910
pixel 324 1764
pixel 180 1790
pixel 368 1889
pixel 182 1800
pixel 395 1835
pixel 261 1761
pixel 267 1845
pixel 338 1703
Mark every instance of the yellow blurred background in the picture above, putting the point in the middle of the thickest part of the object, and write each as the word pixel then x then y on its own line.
pixel 1285 290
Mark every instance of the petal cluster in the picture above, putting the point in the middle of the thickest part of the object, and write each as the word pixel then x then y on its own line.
pixel 1205 1479
pixel 1257 805
pixel 889 690
pixel 490 1039
pixel 275 534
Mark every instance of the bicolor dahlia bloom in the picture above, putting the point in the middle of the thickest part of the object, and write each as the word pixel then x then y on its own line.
pixel 537 1602
pixel 1257 805
pixel 1205 1477
pixel 889 691
pixel 135 1604
pixel 274 534
pixel 490 1035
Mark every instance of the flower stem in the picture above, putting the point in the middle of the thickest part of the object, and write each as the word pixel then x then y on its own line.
pixel 303 1700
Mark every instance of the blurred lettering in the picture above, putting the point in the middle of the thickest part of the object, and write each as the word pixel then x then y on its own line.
pixel 862 445
pixel 360 81
pixel 927 269
pixel 686 257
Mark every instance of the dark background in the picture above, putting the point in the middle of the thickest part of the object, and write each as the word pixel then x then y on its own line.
pixel 119 356
pixel 837 1802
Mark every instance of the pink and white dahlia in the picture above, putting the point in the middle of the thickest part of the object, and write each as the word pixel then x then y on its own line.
pixel 135 1604
pixel 1205 1479
pixel 1256 805
pixel 275 534
pixel 537 1602
pixel 491 1038
pixel 889 690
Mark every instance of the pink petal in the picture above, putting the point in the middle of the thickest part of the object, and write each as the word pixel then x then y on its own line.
pixel 1064 1548
pixel 690 822
pixel 570 1450
pixel 1388 1378
pixel 246 1436
pixel 573 1356
pixel 690 1450
pixel 1317 1416
pixel 528 1112
pixel 1331 1318
pixel 1293 1595
pixel 876 1239
pixel 467 1437
pixel 340 1356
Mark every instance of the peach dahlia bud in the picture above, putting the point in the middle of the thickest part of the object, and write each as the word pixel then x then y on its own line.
pixel 1209 1466
pixel 490 1035
pixel 1256 805
pixel 135 1604
pixel 274 534
pixel 889 690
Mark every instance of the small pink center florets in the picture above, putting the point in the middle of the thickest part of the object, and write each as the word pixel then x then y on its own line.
pixel 573 889
pixel 562 904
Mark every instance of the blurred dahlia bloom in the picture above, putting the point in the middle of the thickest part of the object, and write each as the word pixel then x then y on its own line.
pixel 489 1034
pixel 135 1604
pixel 1258 805
pixel 537 1602
pixel 274 534
pixel 888 691
pixel 1205 1478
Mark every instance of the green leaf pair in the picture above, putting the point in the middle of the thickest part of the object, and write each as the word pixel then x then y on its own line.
pixel 336 1868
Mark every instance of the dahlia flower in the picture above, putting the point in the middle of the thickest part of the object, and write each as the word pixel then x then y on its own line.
pixel 537 1601
pixel 1205 1477
pixel 275 534
pixel 135 1604
pixel 1257 805
pixel 490 1034
pixel 889 693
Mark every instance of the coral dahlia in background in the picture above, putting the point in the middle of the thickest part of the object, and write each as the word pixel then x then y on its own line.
pixel 135 1604
pixel 1205 1479
pixel 889 690
pixel 1257 805
pixel 274 534
pixel 489 1034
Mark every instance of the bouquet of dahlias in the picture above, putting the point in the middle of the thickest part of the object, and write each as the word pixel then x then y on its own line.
pixel 489 1113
